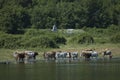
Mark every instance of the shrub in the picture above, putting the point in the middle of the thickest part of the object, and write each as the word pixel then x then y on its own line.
pixel 115 38
pixel 82 39
pixel 113 29
pixel 42 42
pixel 54 36
pixel 59 39
pixel 9 41
pixel 37 32
pixel 86 39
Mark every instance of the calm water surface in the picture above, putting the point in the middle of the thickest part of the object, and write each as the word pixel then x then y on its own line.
pixel 41 70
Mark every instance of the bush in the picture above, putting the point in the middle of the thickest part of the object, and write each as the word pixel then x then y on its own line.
pixel 59 39
pixel 82 39
pixel 42 42
pixel 115 38
pixel 44 33
pixel 113 29
pixel 37 32
pixel 31 39
pixel 10 41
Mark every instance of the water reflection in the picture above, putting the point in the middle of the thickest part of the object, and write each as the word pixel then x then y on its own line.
pixel 62 70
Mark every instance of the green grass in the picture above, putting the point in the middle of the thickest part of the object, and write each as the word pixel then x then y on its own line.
pixel 6 54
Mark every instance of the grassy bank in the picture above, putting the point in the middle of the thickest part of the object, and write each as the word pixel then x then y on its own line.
pixel 6 54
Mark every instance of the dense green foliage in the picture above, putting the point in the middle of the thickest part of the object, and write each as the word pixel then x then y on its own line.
pixel 115 38
pixel 10 41
pixel 45 38
pixel 31 39
pixel 31 21
pixel 16 15
pixel 82 39
pixel 41 42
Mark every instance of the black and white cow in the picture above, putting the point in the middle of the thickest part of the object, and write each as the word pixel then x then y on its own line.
pixel 31 55
pixel 107 52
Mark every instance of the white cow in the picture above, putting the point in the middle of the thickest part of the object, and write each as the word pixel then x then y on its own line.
pixel 94 54
pixel 74 55
pixel 61 55
pixel 107 52
pixel 30 55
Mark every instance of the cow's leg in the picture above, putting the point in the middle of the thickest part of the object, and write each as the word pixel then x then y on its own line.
pixel 110 56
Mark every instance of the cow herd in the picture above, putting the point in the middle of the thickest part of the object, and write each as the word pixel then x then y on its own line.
pixel 60 55
pixel 25 56
pixel 87 54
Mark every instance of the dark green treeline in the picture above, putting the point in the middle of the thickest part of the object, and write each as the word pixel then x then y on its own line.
pixel 16 15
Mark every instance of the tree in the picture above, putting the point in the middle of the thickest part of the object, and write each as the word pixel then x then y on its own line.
pixel 13 18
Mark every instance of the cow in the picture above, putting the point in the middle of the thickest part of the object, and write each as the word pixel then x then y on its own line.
pixel 61 55
pixel 30 55
pixel 74 55
pixel 49 55
pixel 19 56
pixel 89 53
pixel 22 56
pixel 107 52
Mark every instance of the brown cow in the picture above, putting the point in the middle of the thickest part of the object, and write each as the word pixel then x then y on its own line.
pixel 19 56
pixel 49 55
pixel 87 53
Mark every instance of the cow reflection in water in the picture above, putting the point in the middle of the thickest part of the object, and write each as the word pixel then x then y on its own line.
pixel 25 56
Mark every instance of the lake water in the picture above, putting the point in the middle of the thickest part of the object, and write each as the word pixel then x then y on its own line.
pixel 51 70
